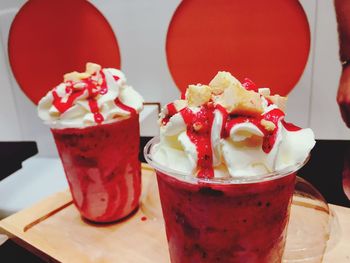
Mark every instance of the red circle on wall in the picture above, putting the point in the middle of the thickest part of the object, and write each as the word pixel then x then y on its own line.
pixel 50 38
pixel 266 41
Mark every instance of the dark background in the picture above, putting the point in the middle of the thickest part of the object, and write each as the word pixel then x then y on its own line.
pixel 324 171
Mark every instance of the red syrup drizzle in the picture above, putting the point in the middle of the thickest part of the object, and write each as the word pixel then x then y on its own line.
pixel 103 88
pixel 117 190
pixel 290 126
pixel 171 112
pixel 125 107
pixel 249 85
pixel 201 137
pixel 94 109
pixel 73 95
pixel 269 139
pixel 94 90
pixel 117 100
pixel 224 115
pixel 84 182
pixel 143 218
pixel 204 119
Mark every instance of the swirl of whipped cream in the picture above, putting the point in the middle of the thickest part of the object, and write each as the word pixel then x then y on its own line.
pixel 229 129
pixel 93 97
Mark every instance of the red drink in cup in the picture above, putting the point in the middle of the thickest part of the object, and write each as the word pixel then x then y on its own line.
pixel 102 168
pixel 95 123
pixel 210 220
pixel 226 165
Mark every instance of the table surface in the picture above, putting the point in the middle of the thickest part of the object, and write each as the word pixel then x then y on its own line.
pixel 54 230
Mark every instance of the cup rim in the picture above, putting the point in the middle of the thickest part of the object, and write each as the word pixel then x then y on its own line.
pixel 147 151
pixel 56 126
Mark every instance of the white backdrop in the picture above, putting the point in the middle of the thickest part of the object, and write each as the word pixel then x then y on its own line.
pixel 140 27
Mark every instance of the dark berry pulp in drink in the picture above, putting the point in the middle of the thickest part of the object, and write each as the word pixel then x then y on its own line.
pixel 212 222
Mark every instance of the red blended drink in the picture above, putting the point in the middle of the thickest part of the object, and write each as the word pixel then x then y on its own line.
pixel 102 168
pixel 226 165
pixel 97 135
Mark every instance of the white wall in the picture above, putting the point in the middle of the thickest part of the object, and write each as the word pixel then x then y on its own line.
pixel 325 117
pixel 10 125
pixel 298 106
pixel 141 28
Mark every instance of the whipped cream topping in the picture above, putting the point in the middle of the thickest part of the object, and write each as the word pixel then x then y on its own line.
pixel 93 97
pixel 229 129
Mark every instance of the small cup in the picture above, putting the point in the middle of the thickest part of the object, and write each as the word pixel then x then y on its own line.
pixel 232 220
pixel 102 168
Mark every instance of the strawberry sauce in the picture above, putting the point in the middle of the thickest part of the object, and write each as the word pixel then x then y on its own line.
pixel 199 131
pixel 290 126
pixel 269 140
pixel 199 125
pixel 64 106
pixel 125 107
pixel 249 85
pixel 94 109
pixel 94 86
pixel 171 111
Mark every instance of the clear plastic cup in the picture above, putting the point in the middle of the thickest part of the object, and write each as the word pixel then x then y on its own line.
pixel 236 220
pixel 313 228
pixel 102 168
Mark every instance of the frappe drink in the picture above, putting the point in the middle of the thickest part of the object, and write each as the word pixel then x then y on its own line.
pixel 94 120
pixel 226 162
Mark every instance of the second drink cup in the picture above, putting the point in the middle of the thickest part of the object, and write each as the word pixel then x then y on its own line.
pixel 224 221
pixel 102 168
pixel 94 119
pixel 226 163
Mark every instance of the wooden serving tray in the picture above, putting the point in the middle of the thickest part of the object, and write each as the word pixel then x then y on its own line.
pixel 54 230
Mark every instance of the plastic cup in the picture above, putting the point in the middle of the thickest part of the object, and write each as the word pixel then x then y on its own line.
pixel 236 220
pixel 313 228
pixel 102 168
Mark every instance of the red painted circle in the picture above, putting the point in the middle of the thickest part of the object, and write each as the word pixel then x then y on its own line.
pixel 50 38
pixel 266 41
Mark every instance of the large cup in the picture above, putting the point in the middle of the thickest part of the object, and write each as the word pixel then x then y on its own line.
pixel 236 220
pixel 102 168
